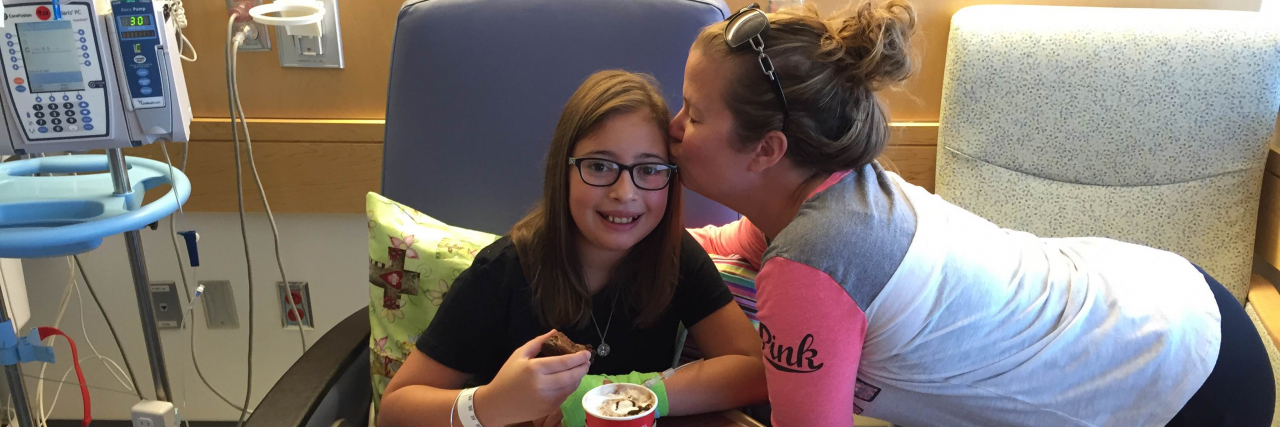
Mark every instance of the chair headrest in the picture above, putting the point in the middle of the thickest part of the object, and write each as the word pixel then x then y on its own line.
pixel 477 87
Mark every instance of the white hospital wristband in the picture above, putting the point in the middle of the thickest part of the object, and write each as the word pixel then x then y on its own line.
pixel 467 408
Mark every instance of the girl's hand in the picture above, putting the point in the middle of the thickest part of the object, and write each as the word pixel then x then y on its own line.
pixel 527 387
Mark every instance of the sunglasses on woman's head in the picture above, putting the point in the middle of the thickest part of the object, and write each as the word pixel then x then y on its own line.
pixel 748 27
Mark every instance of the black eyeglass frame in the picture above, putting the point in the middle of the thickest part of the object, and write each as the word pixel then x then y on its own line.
pixel 749 26
pixel 629 169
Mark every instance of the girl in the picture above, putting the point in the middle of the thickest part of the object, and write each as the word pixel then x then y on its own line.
pixel 603 259
pixel 876 297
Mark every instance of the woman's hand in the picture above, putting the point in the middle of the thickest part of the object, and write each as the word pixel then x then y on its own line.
pixel 527 388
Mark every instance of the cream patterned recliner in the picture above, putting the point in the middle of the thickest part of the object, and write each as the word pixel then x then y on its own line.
pixel 1144 125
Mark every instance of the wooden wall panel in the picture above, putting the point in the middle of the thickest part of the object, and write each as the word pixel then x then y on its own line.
pixel 333 175
pixel 1266 302
pixel 914 164
pixel 300 177
pixel 277 130
pixel 1267 242
pixel 268 90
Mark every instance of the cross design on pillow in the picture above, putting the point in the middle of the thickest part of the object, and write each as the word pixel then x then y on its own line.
pixel 393 278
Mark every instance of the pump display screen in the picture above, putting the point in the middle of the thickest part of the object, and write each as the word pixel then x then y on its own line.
pixel 136 27
pixel 127 22
pixel 52 61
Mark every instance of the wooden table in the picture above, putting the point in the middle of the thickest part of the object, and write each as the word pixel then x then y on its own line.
pixel 731 418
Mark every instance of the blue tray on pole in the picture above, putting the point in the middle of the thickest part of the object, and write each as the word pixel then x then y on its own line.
pixel 46 216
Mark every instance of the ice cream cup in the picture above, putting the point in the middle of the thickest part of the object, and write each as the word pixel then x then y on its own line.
pixel 595 399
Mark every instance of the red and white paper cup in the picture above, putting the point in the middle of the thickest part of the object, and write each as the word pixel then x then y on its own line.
pixel 601 403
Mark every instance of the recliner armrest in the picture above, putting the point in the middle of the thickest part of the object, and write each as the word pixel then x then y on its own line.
pixel 299 394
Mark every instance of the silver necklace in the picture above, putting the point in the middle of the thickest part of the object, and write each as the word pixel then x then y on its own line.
pixel 603 349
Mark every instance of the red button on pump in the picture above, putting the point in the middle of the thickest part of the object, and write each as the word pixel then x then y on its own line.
pixel 43 13
pixel 18 80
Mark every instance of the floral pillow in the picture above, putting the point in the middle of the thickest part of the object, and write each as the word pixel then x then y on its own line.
pixel 413 260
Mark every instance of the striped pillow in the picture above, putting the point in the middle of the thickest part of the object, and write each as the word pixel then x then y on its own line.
pixel 740 277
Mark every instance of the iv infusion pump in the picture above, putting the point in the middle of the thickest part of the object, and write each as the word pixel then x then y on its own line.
pixel 77 77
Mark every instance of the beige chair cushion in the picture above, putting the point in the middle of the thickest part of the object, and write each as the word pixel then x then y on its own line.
pixel 1173 217
pixel 1143 125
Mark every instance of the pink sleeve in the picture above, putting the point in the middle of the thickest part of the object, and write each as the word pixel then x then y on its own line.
pixel 812 332
pixel 740 238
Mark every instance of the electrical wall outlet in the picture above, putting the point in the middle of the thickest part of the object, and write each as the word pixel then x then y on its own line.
pixel 166 306
pixel 219 305
pixel 314 52
pixel 300 293
pixel 261 43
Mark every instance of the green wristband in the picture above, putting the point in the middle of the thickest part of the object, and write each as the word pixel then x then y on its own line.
pixel 571 412
pixel 659 388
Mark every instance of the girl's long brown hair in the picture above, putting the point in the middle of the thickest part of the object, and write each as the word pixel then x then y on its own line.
pixel 546 238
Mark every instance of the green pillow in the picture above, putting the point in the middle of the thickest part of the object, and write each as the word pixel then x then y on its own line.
pixel 413 260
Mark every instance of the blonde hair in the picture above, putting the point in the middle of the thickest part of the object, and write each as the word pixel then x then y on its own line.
pixel 830 69
pixel 546 239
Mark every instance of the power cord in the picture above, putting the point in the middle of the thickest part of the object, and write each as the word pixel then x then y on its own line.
pixel 180 21
pixel 257 180
pixel 10 413
pixel 125 356
pixel 63 381
pixel 57 322
pixel 233 45
pixel 44 415
pixel 195 360
pixel 82 361
pixel 173 238
pixel 186 149
pixel 234 40
pixel 107 363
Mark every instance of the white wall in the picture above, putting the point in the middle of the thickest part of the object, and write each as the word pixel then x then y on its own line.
pixel 329 251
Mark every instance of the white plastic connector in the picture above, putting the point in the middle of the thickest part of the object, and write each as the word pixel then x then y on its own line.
pixel 303 20
pixel 246 32
pixel 299 17
pixel 152 413
pixel 649 383
pixel 250 32
pixel 314 29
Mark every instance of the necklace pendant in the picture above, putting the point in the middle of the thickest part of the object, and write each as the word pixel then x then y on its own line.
pixel 603 350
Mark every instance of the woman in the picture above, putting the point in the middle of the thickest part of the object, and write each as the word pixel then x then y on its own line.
pixel 876 297
pixel 602 259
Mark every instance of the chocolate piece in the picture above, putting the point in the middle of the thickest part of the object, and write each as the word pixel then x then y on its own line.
pixel 559 344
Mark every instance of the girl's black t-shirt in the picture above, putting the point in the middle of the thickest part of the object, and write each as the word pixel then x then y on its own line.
pixel 488 313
